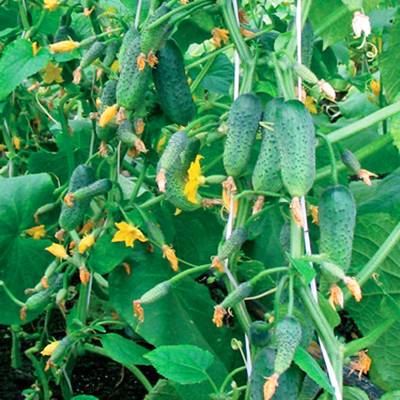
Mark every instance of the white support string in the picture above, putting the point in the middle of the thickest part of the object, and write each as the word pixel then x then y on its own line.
pixel 307 244
pixel 229 225
pixel 138 12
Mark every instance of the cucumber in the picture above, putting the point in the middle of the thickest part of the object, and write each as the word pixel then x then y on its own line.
pixel 236 296
pixel 176 176
pixel 337 217
pixel 107 99
pixel 172 85
pixel 259 333
pixel 288 336
pixel 97 188
pixel 266 173
pixel 71 217
pixel 244 117
pixel 351 162
pixel 153 38
pixel 132 83
pixel 95 51
pixel 125 133
pixel 110 53
pixel 234 243
pixel 296 142
pixel 176 145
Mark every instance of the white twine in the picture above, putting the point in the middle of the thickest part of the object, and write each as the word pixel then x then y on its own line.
pixel 307 244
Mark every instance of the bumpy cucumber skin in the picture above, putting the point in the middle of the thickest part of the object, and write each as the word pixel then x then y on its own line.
pixel 244 117
pixel 296 141
pixel 176 177
pixel 97 188
pixel 236 296
pixel 267 171
pixel 234 243
pixel 110 53
pixel 337 218
pixel 125 133
pixel 351 161
pixel 132 83
pixel 288 336
pixel 94 51
pixel 176 145
pixel 71 217
pixel 153 39
pixel 108 98
pixel 172 86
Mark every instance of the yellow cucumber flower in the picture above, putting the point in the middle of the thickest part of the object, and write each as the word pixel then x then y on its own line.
pixel 57 250
pixel 64 46
pixel 50 5
pixel 49 349
pixel 108 114
pixel 128 233
pixel 86 242
pixel 169 254
pixel 37 232
pixel 195 179
pixel 52 73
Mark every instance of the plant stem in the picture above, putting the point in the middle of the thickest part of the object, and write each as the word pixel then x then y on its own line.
pixel 384 250
pixel 11 295
pixel 16 361
pixel 361 154
pixel 39 372
pixel 23 15
pixel 356 345
pixel 364 123
pixel 202 74
pixel 138 183
pixel 135 370
pixel 196 270
pixel 230 376
pixel 258 193
pixel 331 157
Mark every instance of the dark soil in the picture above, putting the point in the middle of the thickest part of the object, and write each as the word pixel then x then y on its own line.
pixel 94 375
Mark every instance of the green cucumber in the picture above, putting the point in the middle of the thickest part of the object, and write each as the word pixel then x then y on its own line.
pixel 288 335
pixel 243 122
pixel 110 53
pixel 237 295
pixel 337 216
pixel 172 86
pixel 71 217
pixel 259 333
pixel 351 162
pixel 234 243
pixel 125 133
pixel 266 173
pixel 97 188
pixel 132 83
pixel 170 156
pixel 153 38
pixel 296 141
pixel 95 51
pixel 107 99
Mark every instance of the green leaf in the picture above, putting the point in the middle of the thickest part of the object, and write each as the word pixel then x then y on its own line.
pixel 371 231
pixel 331 20
pixel 263 367
pixel 123 351
pixel 163 390
pixel 184 364
pixel 391 395
pixel 304 268
pixel 85 397
pixel 390 60
pixel 106 255
pixel 353 393
pixel 305 362
pixel 219 77
pixel 353 5
pixel 22 259
pixel 17 63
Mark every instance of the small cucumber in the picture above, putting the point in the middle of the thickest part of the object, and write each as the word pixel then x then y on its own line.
pixel 236 296
pixel 111 52
pixel 172 85
pixel 234 243
pixel 71 217
pixel 296 141
pixel 351 162
pixel 95 51
pixel 97 188
pixel 107 99
pixel 260 333
pixel 153 38
pixel 288 336
pixel 244 117
pixel 133 83
pixel 125 133
pixel 337 216
pixel 170 156
pixel 266 173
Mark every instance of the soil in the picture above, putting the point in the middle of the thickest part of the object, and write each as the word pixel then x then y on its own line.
pixel 94 375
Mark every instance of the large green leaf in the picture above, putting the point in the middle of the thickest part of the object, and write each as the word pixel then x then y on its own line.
pixel 371 231
pixel 331 20
pixel 353 393
pixel 390 60
pixel 123 350
pixel 18 63
pixel 184 364
pixel 22 259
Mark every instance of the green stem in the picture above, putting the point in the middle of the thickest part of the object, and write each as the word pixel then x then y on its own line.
pixel 230 376
pixel 202 74
pixel 248 76
pixel 138 184
pixel 364 123
pixel 151 202
pixel 257 193
pixel 361 154
pixel 279 77
pixel 384 250
pixel 135 370
pixel 16 360
pixel 356 345
pixel 177 10
pixel 212 383
pixel 236 36
pixel 196 270
pixel 11 295
pixel 291 295
pixel 331 157
pixel 23 15
pixel 253 281
pixel 39 372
